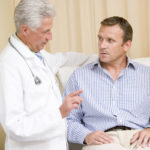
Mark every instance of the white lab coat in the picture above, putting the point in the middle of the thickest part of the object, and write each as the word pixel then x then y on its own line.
pixel 30 113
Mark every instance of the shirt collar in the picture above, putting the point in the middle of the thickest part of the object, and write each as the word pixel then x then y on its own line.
pixel 21 47
pixel 130 63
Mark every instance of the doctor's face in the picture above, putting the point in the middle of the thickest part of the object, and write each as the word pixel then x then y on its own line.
pixel 38 38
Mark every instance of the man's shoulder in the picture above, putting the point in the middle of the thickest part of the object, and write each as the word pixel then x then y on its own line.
pixel 141 67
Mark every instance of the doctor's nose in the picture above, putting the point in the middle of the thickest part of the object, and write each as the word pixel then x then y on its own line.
pixel 49 36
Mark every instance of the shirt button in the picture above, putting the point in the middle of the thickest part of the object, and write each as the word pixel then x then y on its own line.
pixel 115 113
pixel 120 121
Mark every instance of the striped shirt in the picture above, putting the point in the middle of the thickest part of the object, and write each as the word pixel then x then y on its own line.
pixel 108 103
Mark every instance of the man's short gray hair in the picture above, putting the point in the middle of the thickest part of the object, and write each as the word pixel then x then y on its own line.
pixel 31 12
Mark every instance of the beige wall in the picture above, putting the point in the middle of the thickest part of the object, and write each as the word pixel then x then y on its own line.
pixel 2 138
pixel 6 21
pixel 77 22
pixel 6 29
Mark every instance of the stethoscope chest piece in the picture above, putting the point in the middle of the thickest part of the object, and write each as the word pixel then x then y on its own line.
pixel 37 80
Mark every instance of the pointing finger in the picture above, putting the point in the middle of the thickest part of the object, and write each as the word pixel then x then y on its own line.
pixel 76 93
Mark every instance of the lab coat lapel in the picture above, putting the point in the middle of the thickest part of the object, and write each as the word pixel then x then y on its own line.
pixel 21 48
pixel 29 56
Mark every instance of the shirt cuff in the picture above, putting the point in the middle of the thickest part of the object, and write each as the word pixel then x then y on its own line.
pixel 83 135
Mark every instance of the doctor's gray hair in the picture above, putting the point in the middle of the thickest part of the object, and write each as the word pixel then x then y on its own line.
pixel 31 12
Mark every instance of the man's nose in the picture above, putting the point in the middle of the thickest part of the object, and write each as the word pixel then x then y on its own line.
pixel 102 44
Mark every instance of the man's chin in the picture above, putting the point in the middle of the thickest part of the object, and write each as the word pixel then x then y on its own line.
pixel 104 59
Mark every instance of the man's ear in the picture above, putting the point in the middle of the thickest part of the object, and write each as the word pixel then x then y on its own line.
pixel 127 45
pixel 25 29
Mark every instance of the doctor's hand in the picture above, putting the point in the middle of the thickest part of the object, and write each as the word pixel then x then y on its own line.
pixel 71 101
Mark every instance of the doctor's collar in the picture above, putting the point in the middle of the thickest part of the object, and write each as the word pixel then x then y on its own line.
pixel 21 47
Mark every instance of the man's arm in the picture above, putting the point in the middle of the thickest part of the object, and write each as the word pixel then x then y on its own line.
pixel 76 130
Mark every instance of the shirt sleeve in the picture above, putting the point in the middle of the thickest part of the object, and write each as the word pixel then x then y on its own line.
pixel 76 131
pixel 58 60
pixel 78 59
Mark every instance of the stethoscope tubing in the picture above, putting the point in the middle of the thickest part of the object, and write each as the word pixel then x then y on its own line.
pixel 37 80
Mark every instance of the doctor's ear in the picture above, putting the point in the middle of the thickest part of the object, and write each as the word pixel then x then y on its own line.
pixel 25 29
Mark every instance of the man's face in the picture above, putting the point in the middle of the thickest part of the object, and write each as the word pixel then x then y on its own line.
pixel 37 39
pixel 110 44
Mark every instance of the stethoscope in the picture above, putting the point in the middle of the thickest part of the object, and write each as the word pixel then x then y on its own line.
pixel 37 80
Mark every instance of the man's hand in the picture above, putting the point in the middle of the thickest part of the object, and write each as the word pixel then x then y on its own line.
pixel 98 138
pixel 71 101
pixel 142 138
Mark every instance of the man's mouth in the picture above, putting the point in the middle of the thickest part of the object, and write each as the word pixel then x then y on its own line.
pixel 104 53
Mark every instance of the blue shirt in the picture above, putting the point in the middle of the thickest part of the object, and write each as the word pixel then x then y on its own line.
pixel 108 103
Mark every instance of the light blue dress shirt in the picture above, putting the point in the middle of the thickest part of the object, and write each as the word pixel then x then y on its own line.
pixel 108 103
pixel 39 55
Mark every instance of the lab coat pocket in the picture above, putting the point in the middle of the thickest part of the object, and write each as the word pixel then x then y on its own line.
pixel 36 96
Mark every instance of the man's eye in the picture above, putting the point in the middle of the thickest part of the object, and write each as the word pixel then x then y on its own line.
pixel 110 40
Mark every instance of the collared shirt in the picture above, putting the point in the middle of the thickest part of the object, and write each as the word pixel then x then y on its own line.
pixel 108 103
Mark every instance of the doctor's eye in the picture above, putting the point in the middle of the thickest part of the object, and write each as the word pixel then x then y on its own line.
pixel 46 31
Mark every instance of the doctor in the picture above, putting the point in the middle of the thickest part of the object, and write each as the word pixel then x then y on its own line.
pixel 31 111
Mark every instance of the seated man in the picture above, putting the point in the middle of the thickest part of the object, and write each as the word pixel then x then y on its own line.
pixel 115 111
